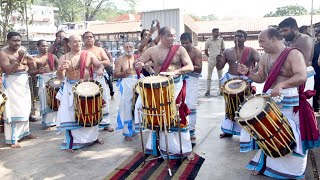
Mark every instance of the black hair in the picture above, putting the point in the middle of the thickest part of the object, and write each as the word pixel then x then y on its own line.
pixel 40 41
pixel 61 31
pixel 11 34
pixel 87 32
pixel 242 32
pixel 186 36
pixel 288 22
pixel 142 32
pixel 302 29
pixel 273 32
pixel 215 29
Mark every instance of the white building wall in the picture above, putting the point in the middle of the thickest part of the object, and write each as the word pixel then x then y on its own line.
pixel 168 17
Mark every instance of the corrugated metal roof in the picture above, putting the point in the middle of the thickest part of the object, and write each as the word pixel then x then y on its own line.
pixel 115 27
pixel 188 21
pixel 256 24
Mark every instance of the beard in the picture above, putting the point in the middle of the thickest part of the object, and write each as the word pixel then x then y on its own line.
pixel 128 53
pixel 289 37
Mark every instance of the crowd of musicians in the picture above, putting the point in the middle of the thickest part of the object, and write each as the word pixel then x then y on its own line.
pixel 158 90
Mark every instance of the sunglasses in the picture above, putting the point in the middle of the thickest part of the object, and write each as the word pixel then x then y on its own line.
pixel 239 36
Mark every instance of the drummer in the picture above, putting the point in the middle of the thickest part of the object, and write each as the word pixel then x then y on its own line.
pixel 239 54
pixel 128 79
pixel 284 72
pixel 46 66
pixel 192 81
pixel 179 65
pixel 88 39
pixel 76 136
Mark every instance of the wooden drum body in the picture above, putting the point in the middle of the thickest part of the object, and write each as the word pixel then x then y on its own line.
pixel 234 91
pixel 263 120
pixel 88 103
pixel 157 95
pixel 52 88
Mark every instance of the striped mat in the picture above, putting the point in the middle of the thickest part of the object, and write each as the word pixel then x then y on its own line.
pixel 156 169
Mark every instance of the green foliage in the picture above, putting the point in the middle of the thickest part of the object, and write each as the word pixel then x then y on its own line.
pixel 291 10
pixel 88 10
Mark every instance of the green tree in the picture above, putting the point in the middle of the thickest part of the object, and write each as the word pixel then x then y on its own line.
pixel 291 10
pixel 88 10
pixel 7 8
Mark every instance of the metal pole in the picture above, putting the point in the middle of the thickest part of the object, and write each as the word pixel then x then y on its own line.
pixel 26 14
pixel 311 26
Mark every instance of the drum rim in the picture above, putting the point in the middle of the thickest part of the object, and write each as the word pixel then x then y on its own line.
pixel 232 79
pixel 240 120
pixel 156 86
pixel 51 87
pixel 5 98
pixel 91 96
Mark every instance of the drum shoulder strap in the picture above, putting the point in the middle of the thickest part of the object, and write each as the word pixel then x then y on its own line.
pixel 83 60
pixel 169 58
pixel 51 61
pixel 244 55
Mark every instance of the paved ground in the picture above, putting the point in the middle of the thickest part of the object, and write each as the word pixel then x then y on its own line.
pixel 42 158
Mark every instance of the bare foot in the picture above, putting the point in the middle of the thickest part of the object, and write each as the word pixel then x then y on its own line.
pixel 70 150
pixel 255 173
pixel 127 138
pixel 46 128
pixel 16 145
pixel 193 138
pixel 109 129
pixel 98 141
pixel 31 136
pixel 190 157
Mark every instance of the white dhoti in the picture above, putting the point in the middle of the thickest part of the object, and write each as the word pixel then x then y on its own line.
pixel 76 136
pixel 191 100
pixel 229 126
pixel 105 122
pixel 125 117
pixel 292 165
pixel 173 135
pixel 18 106
pixel 49 117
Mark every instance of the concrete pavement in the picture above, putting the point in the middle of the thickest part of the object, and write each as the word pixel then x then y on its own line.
pixel 42 158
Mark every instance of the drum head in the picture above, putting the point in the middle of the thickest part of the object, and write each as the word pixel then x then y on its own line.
pixel 155 81
pixel 234 86
pixel 253 107
pixel 87 89
pixel 55 83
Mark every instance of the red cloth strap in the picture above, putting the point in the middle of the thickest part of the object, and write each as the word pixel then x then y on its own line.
pixel 273 74
pixel 169 58
pixel 184 111
pixel 83 60
pixel 138 71
pixel 244 55
pixel 51 61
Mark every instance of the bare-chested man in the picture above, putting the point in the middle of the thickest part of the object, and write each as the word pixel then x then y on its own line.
pixel 192 81
pixel 15 65
pixel 88 39
pixel 146 39
pixel 283 70
pixel 69 68
pixel 125 71
pixel 57 48
pixel 233 57
pixel 180 64
pixel 293 38
pixel 46 66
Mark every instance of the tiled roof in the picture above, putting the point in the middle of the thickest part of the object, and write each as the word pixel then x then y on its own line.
pixel 256 24
pixel 115 27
